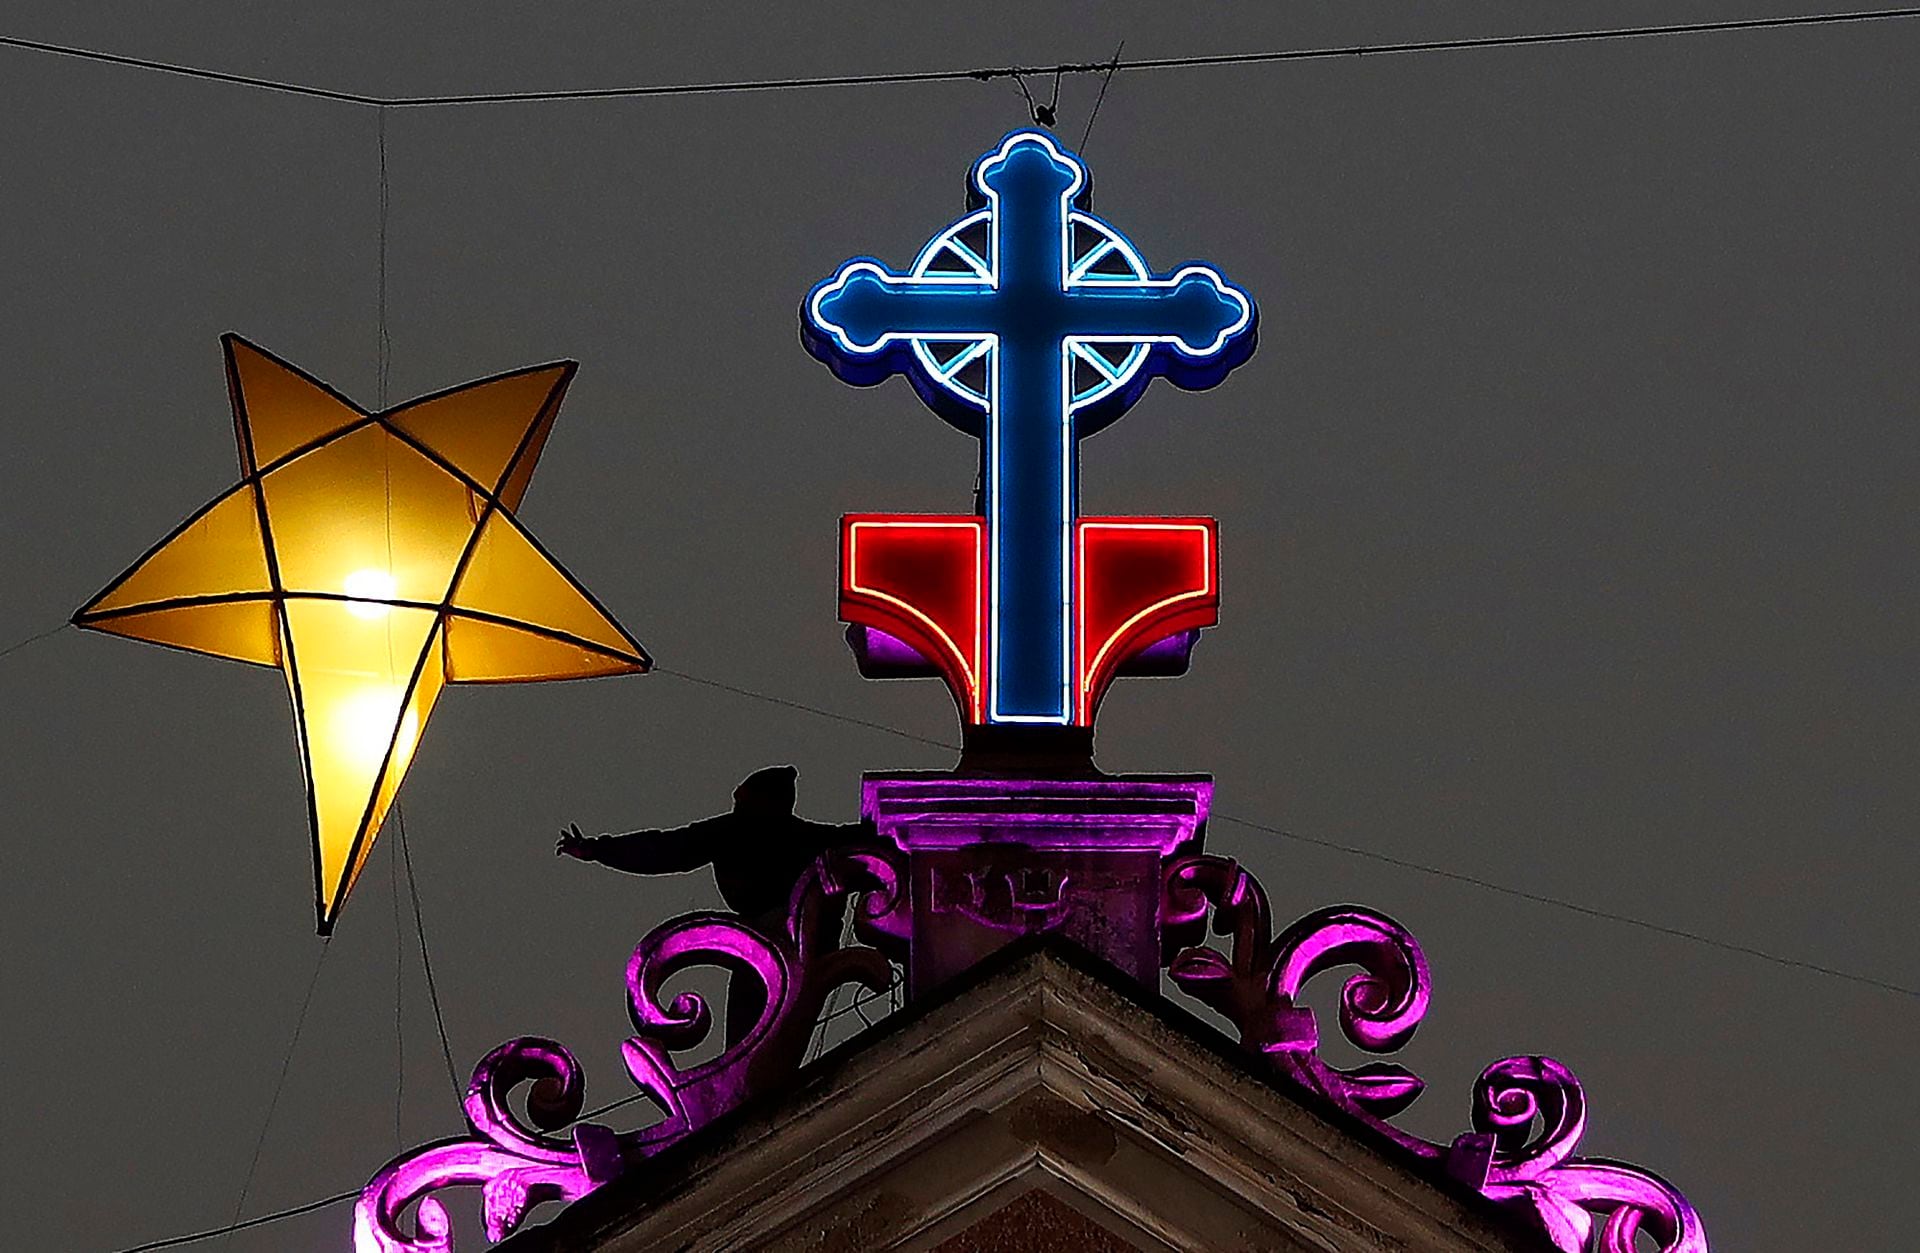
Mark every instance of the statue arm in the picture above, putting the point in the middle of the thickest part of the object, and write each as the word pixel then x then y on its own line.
pixel 659 852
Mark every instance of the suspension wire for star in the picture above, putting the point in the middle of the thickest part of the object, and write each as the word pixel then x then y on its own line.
pixel 320 1203
pixel 273 1102
pixel 399 998
pixel 426 958
pixel 384 354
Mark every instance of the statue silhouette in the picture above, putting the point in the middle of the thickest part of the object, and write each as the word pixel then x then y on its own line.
pixel 759 850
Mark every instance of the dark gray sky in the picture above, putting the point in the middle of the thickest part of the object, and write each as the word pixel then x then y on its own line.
pixel 1568 514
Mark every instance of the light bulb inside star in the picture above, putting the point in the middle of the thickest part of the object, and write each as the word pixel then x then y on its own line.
pixel 369 588
pixel 364 724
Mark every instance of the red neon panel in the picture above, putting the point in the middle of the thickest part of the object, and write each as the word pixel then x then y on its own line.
pixel 923 579
pixel 1138 580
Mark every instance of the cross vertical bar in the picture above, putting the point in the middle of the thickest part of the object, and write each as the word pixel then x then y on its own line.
pixel 1032 490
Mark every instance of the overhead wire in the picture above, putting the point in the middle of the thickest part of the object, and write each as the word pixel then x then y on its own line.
pixel 816 710
pixel 983 74
pixel 1540 898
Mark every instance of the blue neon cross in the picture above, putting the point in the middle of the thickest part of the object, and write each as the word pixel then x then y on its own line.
pixel 1198 326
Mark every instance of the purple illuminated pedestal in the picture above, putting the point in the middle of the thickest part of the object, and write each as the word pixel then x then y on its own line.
pixel 990 860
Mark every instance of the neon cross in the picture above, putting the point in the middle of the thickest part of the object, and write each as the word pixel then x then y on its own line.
pixel 1029 294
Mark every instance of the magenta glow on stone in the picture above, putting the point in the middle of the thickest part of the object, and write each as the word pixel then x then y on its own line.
pixel 518 1167
pixel 883 655
pixel 990 860
pixel 1157 814
pixel 972 863
pixel 1529 1113
pixel 1167 656
pixel 878 651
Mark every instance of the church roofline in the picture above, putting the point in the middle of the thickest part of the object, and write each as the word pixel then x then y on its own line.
pixel 947 913
pixel 603 1219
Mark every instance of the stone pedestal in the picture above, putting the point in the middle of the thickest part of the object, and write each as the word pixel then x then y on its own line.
pixel 993 859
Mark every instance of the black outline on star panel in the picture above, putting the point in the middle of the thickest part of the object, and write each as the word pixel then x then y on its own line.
pixel 120 580
pixel 289 661
pixel 451 611
pixel 227 343
pixel 361 834
pixel 95 623
pixel 639 653
pixel 532 441
pixel 548 410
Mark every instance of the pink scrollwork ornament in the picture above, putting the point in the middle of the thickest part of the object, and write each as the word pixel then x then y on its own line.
pixel 1529 1113
pixel 519 1164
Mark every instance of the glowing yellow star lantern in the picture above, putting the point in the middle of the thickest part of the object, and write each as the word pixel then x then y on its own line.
pixel 374 558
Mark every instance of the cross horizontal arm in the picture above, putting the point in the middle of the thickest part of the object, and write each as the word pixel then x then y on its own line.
pixel 864 307
pixel 1196 310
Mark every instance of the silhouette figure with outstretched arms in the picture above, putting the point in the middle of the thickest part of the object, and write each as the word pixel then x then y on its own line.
pixel 759 849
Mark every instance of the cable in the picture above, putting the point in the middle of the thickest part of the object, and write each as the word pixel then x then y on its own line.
pixel 399 1003
pixel 260 1221
pixel 307 1207
pixel 849 719
pixel 383 347
pixel 1591 912
pixel 273 1104
pixel 186 71
pixel 426 960
pixel 11 649
pixel 1101 99
pixel 608 1108
pixel 976 75
pixel 294 1211
pixel 1043 114
pixel 832 1009
pixel 1436 871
